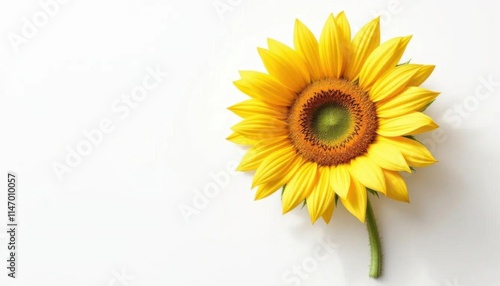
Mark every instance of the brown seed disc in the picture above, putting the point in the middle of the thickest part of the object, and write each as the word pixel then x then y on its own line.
pixel 332 122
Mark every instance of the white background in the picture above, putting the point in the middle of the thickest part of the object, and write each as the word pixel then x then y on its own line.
pixel 116 218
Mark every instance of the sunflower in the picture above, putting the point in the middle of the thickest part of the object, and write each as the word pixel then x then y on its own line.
pixel 333 118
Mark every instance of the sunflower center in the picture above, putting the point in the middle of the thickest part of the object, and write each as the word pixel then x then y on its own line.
pixel 332 122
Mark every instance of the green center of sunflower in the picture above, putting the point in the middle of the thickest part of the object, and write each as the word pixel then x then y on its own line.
pixel 331 122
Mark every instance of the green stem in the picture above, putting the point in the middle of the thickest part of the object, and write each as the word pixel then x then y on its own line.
pixel 375 246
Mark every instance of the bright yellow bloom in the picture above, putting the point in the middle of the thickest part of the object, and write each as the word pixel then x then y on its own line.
pixel 333 117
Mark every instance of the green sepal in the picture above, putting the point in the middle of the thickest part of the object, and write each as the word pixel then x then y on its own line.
pixel 303 204
pixel 375 193
pixel 413 138
pixel 405 63
pixel 336 199
pixel 282 191
pixel 428 104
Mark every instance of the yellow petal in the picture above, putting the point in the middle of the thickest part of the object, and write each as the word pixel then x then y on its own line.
pixel 368 173
pixel 387 156
pixel 283 68
pixel 393 82
pixel 275 166
pixel 306 44
pixel 327 215
pixel 264 87
pixel 423 73
pixel 258 152
pixel 321 196
pixel 363 44
pixel 411 99
pixel 251 107
pixel 396 186
pixel 300 186
pixel 340 180
pixel 267 189
pixel 383 58
pixel 240 139
pixel 270 187
pixel 415 153
pixel 294 57
pixel 345 37
pixel 343 27
pixel 260 127
pixel 330 52
pixel 409 124
pixel 355 202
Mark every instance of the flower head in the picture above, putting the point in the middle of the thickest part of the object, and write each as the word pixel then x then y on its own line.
pixel 333 117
